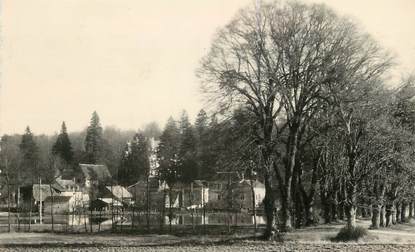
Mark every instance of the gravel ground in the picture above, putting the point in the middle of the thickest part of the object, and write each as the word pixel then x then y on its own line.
pixel 227 248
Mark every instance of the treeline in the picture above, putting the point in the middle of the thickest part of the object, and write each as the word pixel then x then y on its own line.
pixel 28 157
pixel 190 151
pixel 325 126
pixel 183 151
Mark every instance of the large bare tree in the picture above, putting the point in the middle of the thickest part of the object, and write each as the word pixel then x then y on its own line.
pixel 281 60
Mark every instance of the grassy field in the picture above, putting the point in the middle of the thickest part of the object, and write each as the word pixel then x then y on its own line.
pixel 398 238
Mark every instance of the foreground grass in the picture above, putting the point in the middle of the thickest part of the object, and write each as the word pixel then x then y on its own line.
pixel 317 238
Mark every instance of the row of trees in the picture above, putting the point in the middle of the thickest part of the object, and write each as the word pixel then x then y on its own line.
pixel 322 120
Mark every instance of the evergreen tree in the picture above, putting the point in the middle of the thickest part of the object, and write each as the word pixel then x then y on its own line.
pixel 201 124
pixel 30 156
pixel 188 167
pixel 62 146
pixel 203 158
pixel 135 163
pixel 94 140
pixel 168 152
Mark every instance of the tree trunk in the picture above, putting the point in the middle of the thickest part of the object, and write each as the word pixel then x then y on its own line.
pixel 286 218
pixel 340 211
pixel 269 206
pixel 308 199
pixel 382 221
pixel 308 213
pixel 351 186
pixel 389 214
pixel 375 216
pixel 351 206
pixel 334 206
pixel 100 218
pixel 253 207
pixel 286 192
pixel 298 217
pixel 51 208
pixel 398 212
pixel 411 209
pixel 342 198
pixel 351 216
pixel 364 212
pixel 326 211
pixel 393 214
pixel 403 212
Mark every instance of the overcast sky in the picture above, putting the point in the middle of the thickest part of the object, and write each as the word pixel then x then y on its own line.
pixel 133 61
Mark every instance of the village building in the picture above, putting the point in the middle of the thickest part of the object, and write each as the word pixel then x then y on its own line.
pixel 105 199
pixel 94 175
pixel 120 193
pixel 157 191
pixel 193 195
pixel 217 190
pixel 237 195
pixel 33 195
pixel 249 192
pixel 80 197
pixel 59 204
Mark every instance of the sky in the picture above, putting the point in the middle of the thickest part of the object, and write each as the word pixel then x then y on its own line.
pixel 134 61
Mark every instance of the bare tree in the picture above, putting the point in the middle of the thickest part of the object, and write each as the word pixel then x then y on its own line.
pixel 279 60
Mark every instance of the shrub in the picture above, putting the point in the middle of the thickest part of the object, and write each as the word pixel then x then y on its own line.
pixel 350 234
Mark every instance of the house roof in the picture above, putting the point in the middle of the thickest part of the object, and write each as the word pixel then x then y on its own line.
pixel 95 172
pixel 200 183
pixel 110 201
pixel 256 183
pixel 58 199
pixel 154 183
pixel 41 192
pixel 65 182
pixel 119 191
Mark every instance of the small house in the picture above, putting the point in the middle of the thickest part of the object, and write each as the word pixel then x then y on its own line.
pixel 58 204
pixel 157 192
pixel 195 194
pixel 36 193
pixel 72 189
pixel 248 192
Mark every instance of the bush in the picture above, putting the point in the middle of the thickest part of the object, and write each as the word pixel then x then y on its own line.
pixel 350 234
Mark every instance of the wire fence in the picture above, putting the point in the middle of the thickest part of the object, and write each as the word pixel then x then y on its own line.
pixel 132 219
